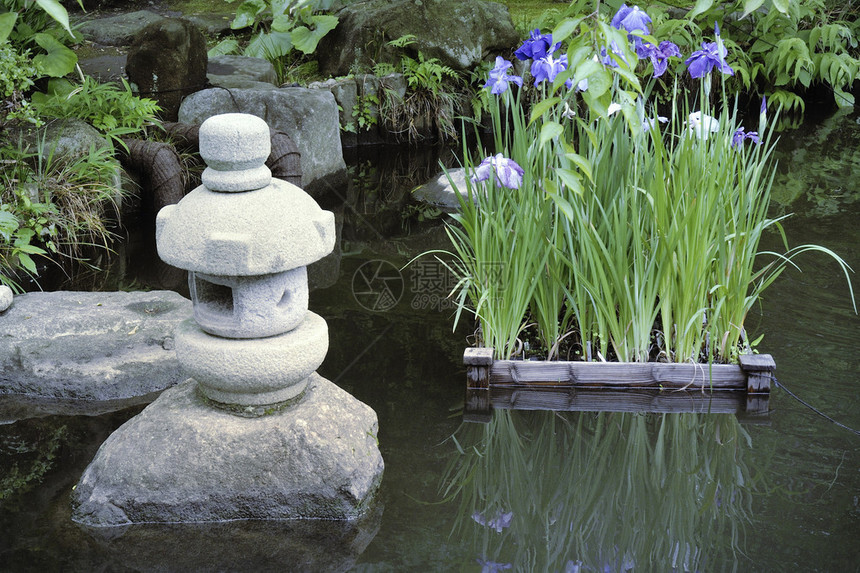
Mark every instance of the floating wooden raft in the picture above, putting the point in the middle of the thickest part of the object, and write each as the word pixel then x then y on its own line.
pixel 742 388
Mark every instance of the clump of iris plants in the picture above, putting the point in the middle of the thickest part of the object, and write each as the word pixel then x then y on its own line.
pixel 600 228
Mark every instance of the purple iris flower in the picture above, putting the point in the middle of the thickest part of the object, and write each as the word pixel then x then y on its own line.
pixel 712 55
pixel 493 566
pixel 537 46
pixel 740 135
pixel 499 78
pixel 547 68
pixel 499 522
pixel 507 172
pixel 608 60
pixel 631 19
pixel 660 55
pixel 763 109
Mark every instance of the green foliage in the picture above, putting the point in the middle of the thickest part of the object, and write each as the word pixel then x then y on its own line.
pixel 366 111
pixel 279 26
pixel 44 29
pixel 527 15
pixel 426 74
pixel 27 461
pixel 778 48
pixel 434 93
pixel 51 206
pixel 16 73
pixel 111 108
pixel 633 242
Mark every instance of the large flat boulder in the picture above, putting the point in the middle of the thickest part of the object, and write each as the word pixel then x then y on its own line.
pixel 181 460
pixel 309 117
pixel 460 33
pixel 90 345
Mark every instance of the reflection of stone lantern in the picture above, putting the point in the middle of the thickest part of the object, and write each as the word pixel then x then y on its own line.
pixel 246 239
pixel 281 442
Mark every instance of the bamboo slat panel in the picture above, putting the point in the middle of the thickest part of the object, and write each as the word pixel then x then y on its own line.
pixel 741 389
pixel 655 375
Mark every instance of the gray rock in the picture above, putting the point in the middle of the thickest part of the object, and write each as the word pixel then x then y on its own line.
pixel 241 72
pixel 117 30
pixel 308 117
pixel 69 139
pixel 66 140
pixel 167 61
pixel 181 460
pixel 212 24
pixel 439 192
pixel 395 83
pixel 90 346
pixel 5 297
pixel 345 93
pixel 461 33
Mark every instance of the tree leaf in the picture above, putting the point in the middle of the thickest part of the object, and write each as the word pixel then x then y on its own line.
pixel 58 59
pixel 814 35
pixel 8 224
pixel 7 23
pixel 542 107
pixel 224 47
pixel 283 23
pixel 751 6
pixel 550 130
pixel 246 13
pixel 843 99
pixel 781 6
pixel 565 29
pixel 306 40
pixel 30 250
pixel 270 46
pixel 582 162
pixel 572 180
pixel 27 262
pixel 56 11
pixel 700 7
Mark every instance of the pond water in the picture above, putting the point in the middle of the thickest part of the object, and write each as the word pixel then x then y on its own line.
pixel 528 491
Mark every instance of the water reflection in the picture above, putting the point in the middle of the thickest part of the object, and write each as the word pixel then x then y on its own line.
pixel 545 491
pixel 293 545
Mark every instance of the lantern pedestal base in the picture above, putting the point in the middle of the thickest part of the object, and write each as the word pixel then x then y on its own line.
pixel 180 460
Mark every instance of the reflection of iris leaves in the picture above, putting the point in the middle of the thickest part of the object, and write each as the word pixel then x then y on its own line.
pixel 654 492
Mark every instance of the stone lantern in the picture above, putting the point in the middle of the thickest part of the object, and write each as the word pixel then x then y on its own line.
pixel 254 432
pixel 246 240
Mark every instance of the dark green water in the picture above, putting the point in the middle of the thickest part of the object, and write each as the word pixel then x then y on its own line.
pixel 567 492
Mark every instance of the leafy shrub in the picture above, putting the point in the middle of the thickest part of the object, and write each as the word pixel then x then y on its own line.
pixel 433 97
pixel 42 28
pixel 278 26
pixel 16 73
pixel 112 109
pixel 778 48
pixel 49 206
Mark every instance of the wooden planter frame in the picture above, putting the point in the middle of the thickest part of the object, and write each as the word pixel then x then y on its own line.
pixel 742 389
